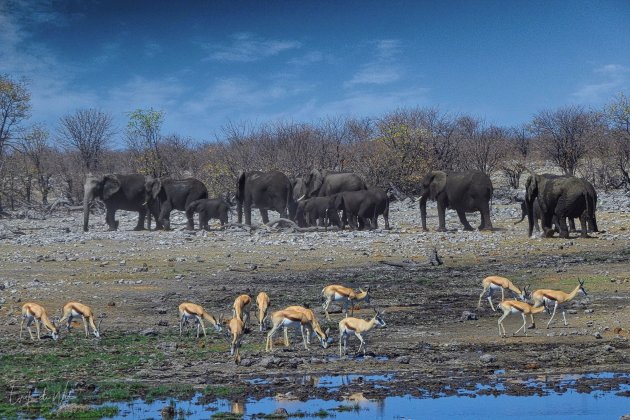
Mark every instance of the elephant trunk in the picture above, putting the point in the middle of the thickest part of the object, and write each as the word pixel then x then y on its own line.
pixel 88 196
pixel 423 211
pixel 529 202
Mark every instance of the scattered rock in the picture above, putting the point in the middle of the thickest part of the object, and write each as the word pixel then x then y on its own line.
pixel 468 316
pixel 404 360
pixel 149 332
pixel 281 412
pixel 487 358
pixel 597 335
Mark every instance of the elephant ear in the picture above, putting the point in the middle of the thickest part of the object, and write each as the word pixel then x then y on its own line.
pixel 111 185
pixel 531 185
pixel 438 184
pixel 314 181
pixel 156 187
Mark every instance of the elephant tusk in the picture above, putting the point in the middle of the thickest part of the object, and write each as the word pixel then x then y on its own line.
pixel 301 198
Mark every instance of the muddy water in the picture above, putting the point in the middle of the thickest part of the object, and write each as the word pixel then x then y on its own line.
pixel 565 400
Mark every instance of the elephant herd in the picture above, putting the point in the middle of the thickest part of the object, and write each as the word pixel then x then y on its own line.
pixel 326 198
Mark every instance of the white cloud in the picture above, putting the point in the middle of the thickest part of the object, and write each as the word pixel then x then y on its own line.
pixel 608 79
pixel 382 68
pixel 247 47
pixel 308 58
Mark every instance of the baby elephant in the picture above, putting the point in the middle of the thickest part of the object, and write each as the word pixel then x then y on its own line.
pixel 209 208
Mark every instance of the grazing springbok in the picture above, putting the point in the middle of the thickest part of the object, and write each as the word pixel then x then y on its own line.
pixel 317 328
pixel 558 298
pixel 35 312
pixel 294 319
pixel 358 327
pixel 516 307
pixel 240 309
pixel 189 310
pixel 345 295
pixel 235 331
pixel 262 302
pixel 76 309
pixel 493 283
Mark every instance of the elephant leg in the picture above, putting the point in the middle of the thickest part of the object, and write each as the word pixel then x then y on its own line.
pixel 441 217
pixel 248 213
pixel 564 230
pixel 265 215
pixel 141 216
pixel 190 218
pixel 203 220
pixel 110 218
pixel 572 224
pixel 463 220
pixel 486 223
pixel 583 226
pixel 165 215
pixel 386 218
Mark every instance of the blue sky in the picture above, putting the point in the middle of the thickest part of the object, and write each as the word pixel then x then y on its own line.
pixel 210 62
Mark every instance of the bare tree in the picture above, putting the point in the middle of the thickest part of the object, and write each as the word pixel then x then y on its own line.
pixel 618 117
pixel 514 163
pixel 87 131
pixel 177 155
pixel 14 108
pixel 483 146
pixel 38 155
pixel 565 135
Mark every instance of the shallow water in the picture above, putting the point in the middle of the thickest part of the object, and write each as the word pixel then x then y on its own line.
pixel 467 405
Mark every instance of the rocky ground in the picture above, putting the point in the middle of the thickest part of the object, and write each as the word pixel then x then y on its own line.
pixel 435 335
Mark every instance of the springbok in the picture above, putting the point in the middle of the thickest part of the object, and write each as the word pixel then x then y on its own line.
pixel 358 327
pixel 556 297
pixel 493 283
pixel 35 312
pixel 76 309
pixel 346 295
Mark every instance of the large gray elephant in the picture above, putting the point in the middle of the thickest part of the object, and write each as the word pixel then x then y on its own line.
pixel 118 192
pixel 165 195
pixel 463 192
pixel 265 191
pixel 321 183
pixel 560 197
pixel 361 207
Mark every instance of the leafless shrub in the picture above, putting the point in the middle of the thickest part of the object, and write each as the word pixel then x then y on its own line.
pixel 88 131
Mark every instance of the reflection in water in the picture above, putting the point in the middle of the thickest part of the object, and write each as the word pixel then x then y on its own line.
pixel 237 407
pixel 604 403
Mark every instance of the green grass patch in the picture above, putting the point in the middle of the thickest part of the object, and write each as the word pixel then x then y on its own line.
pixel 223 415
pixel 222 391
pixel 175 391
pixel 93 413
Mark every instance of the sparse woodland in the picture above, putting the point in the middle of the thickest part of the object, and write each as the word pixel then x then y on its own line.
pixel 43 166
